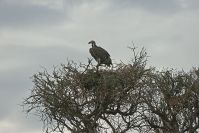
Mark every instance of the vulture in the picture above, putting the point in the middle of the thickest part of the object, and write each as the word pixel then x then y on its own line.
pixel 100 55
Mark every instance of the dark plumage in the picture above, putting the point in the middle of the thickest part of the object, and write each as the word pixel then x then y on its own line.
pixel 100 54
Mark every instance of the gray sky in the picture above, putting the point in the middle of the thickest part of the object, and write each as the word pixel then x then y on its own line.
pixel 44 33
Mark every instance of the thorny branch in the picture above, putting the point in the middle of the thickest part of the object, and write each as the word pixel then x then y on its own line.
pixel 126 98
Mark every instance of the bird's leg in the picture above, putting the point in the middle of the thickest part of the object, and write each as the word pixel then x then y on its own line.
pixel 98 64
pixel 97 67
pixel 98 61
pixel 111 66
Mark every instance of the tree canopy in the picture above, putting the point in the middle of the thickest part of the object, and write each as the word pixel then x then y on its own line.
pixel 129 97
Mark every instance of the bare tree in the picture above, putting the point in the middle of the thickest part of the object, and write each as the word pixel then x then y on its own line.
pixel 128 97
pixel 171 102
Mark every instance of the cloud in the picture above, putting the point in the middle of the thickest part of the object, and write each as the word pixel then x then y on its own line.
pixel 10 126
pixel 166 36
pixel 19 63
pixel 19 14
pixel 160 7
pixel 37 33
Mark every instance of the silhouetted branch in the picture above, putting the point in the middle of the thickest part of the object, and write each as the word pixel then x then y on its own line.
pixel 126 98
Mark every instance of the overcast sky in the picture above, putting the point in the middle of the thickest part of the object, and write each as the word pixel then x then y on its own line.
pixel 44 33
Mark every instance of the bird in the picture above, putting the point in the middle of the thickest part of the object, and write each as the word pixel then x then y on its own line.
pixel 100 55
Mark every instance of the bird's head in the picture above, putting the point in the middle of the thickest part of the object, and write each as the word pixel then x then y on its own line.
pixel 92 43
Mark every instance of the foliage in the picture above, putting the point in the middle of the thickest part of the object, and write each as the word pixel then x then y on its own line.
pixel 125 98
